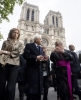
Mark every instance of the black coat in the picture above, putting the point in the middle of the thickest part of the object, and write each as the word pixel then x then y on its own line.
pixel 21 72
pixel 34 71
pixel 75 64
pixel 61 74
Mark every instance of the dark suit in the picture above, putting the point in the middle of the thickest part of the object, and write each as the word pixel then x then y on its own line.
pixel 34 72
pixel 75 69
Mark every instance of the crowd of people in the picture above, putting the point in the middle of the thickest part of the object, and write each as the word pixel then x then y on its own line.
pixel 30 68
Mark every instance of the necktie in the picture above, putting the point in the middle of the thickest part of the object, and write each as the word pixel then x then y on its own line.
pixel 38 47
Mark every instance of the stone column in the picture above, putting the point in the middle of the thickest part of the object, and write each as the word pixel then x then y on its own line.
pixel 61 21
pixel 50 19
pixel 52 31
pixel 21 15
pixel 34 15
pixel 24 13
pixel 37 15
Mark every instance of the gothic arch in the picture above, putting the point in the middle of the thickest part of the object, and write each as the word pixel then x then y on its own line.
pixel 32 15
pixel 28 14
pixel 57 21
pixel 53 20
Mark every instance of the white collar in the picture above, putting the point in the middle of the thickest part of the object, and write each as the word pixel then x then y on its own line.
pixel 36 44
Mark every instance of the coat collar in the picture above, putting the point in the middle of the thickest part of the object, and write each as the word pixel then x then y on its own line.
pixel 35 48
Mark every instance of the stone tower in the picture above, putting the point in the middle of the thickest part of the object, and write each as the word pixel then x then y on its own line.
pixel 52 30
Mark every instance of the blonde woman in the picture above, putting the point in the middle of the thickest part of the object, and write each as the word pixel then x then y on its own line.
pixel 9 62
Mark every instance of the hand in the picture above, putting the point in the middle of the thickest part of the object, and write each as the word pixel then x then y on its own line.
pixel 71 73
pixel 1 51
pixel 6 52
pixel 46 58
pixel 51 77
pixel 59 49
pixel 40 58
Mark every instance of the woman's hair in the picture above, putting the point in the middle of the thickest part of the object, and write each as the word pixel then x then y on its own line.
pixel 11 31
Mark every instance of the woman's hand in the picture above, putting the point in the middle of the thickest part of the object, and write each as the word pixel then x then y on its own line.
pixel 1 51
pixel 5 52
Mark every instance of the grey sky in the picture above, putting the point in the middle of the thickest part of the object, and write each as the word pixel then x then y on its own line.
pixel 70 10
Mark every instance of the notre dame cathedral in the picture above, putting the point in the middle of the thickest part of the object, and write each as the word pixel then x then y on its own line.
pixel 52 30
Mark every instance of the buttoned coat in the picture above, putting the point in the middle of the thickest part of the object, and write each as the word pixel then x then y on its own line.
pixel 34 70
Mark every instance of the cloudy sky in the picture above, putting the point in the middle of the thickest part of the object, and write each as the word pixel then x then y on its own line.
pixel 71 13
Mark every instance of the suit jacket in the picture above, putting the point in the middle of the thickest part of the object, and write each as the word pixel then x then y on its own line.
pixel 75 64
pixel 34 71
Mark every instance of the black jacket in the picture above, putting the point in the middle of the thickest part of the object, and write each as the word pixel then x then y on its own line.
pixel 21 72
pixel 34 71
pixel 75 64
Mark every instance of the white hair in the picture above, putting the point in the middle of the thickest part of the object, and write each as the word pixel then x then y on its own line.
pixel 58 42
pixel 36 37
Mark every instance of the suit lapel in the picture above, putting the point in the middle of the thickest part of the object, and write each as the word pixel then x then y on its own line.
pixel 41 51
pixel 35 48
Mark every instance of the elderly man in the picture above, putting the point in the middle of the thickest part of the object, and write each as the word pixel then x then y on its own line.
pixel 75 69
pixel 61 59
pixel 33 55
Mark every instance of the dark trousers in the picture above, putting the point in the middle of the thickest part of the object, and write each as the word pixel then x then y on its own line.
pixel 45 86
pixel 33 97
pixel 9 74
pixel 75 86
pixel 54 83
pixel 21 91
pixel 2 82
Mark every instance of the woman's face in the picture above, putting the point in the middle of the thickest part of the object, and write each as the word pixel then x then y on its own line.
pixel 15 34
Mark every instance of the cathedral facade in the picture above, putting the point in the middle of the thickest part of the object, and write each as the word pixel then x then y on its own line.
pixel 52 30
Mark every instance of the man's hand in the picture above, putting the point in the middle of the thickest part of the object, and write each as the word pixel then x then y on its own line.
pixel 40 58
pixel 51 77
pixel 46 58
pixel 58 49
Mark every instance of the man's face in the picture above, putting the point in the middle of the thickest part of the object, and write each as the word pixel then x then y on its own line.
pixel 39 41
pixel 72 48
